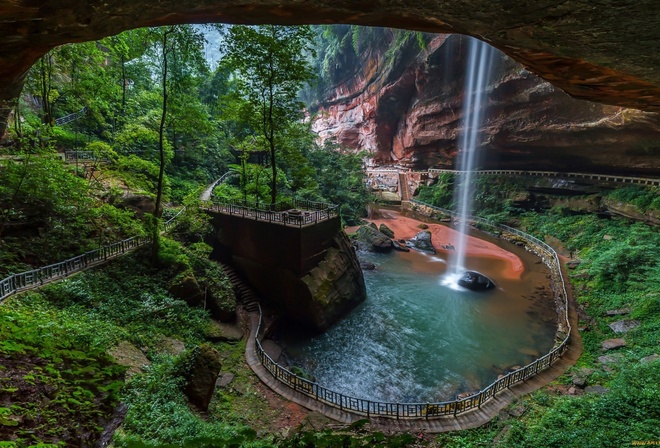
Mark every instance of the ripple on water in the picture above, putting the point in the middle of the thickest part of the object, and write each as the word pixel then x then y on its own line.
pixel 416 339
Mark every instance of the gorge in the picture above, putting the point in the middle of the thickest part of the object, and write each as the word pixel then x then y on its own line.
pixel 401 100
pixel 159 346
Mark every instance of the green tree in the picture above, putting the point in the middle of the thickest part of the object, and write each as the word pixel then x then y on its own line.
pixel 180 46
pixel 272 66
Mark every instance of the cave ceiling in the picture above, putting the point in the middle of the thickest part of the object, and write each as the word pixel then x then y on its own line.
pixel 598 50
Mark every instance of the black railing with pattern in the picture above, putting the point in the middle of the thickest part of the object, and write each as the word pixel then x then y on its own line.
pixel 590 176
pixel 370 408
pixel 37 277
pixel 291 212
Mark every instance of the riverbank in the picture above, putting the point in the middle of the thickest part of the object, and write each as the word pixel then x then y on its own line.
pixel 479 251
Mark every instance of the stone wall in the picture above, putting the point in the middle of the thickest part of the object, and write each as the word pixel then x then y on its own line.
pixel 310 273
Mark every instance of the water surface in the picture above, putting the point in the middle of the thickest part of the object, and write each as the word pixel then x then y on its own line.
pixel 417 340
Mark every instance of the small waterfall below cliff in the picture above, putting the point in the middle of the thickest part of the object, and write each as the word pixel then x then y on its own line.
pixel 479 71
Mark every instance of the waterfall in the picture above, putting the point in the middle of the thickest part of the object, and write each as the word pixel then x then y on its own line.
pixel 480 62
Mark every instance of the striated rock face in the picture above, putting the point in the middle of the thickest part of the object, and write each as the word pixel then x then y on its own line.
pixel 408 111
pixel 593 49
pixel 336 284
pixel 630 211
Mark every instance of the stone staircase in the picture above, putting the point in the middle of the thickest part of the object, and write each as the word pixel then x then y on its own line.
pixel 246 295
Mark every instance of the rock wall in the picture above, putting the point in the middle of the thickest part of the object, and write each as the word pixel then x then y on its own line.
pixel 311 274
pixel 407 111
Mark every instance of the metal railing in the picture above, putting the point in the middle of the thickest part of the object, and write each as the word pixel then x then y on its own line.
pixel 82 156
pixel 291 212
pixel 37 277
pixel 371 408
pixel 590 176
pixel 71 117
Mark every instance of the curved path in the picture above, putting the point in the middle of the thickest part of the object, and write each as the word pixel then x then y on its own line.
pixel 404 190
pixel 467 420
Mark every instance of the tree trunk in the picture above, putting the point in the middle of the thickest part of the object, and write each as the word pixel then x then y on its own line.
pixel 161 172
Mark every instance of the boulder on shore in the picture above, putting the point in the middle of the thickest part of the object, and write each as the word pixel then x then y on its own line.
pixel 386 230
pixel 422 242
pixel 375 241
pixel 475 281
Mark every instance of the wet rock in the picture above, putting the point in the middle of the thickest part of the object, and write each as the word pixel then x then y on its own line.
pixel 475 281
pixel 367 265
pixel 400 247
pixel 200 381
pixel 422 242
pixel 373 239
pixel 624 326
pixel 611 344
pixel 386 230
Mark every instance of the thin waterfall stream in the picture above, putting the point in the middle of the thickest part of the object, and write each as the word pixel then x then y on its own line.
pixel 417 339
pixel 479 71
pixel 414 340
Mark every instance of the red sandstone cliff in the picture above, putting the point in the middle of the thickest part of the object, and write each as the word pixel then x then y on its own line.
pixel 406 109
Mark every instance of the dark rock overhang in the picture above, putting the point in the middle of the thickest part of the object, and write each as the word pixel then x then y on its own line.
pixel 595 50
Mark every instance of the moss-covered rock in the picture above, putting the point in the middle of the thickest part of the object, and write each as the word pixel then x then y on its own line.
pixel 385 230
pixel 373 239
pixel 185 287
pixel 203 370
pixel 336 286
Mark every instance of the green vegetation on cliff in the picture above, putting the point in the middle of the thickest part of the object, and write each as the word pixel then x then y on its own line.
pixel 618 271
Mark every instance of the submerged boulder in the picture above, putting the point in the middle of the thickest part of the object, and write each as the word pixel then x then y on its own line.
pixel 475 281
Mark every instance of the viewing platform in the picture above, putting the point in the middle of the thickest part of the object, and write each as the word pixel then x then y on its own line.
pixel 290 212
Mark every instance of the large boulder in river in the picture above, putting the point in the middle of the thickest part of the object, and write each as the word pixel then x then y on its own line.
pixel 475 281
pixel 386 230
pixel 422 242
pixel 374 240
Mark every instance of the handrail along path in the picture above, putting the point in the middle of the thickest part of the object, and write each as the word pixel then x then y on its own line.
pixel 426 411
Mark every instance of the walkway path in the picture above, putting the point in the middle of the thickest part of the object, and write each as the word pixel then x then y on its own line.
pixel 467 420
pixel 651 181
